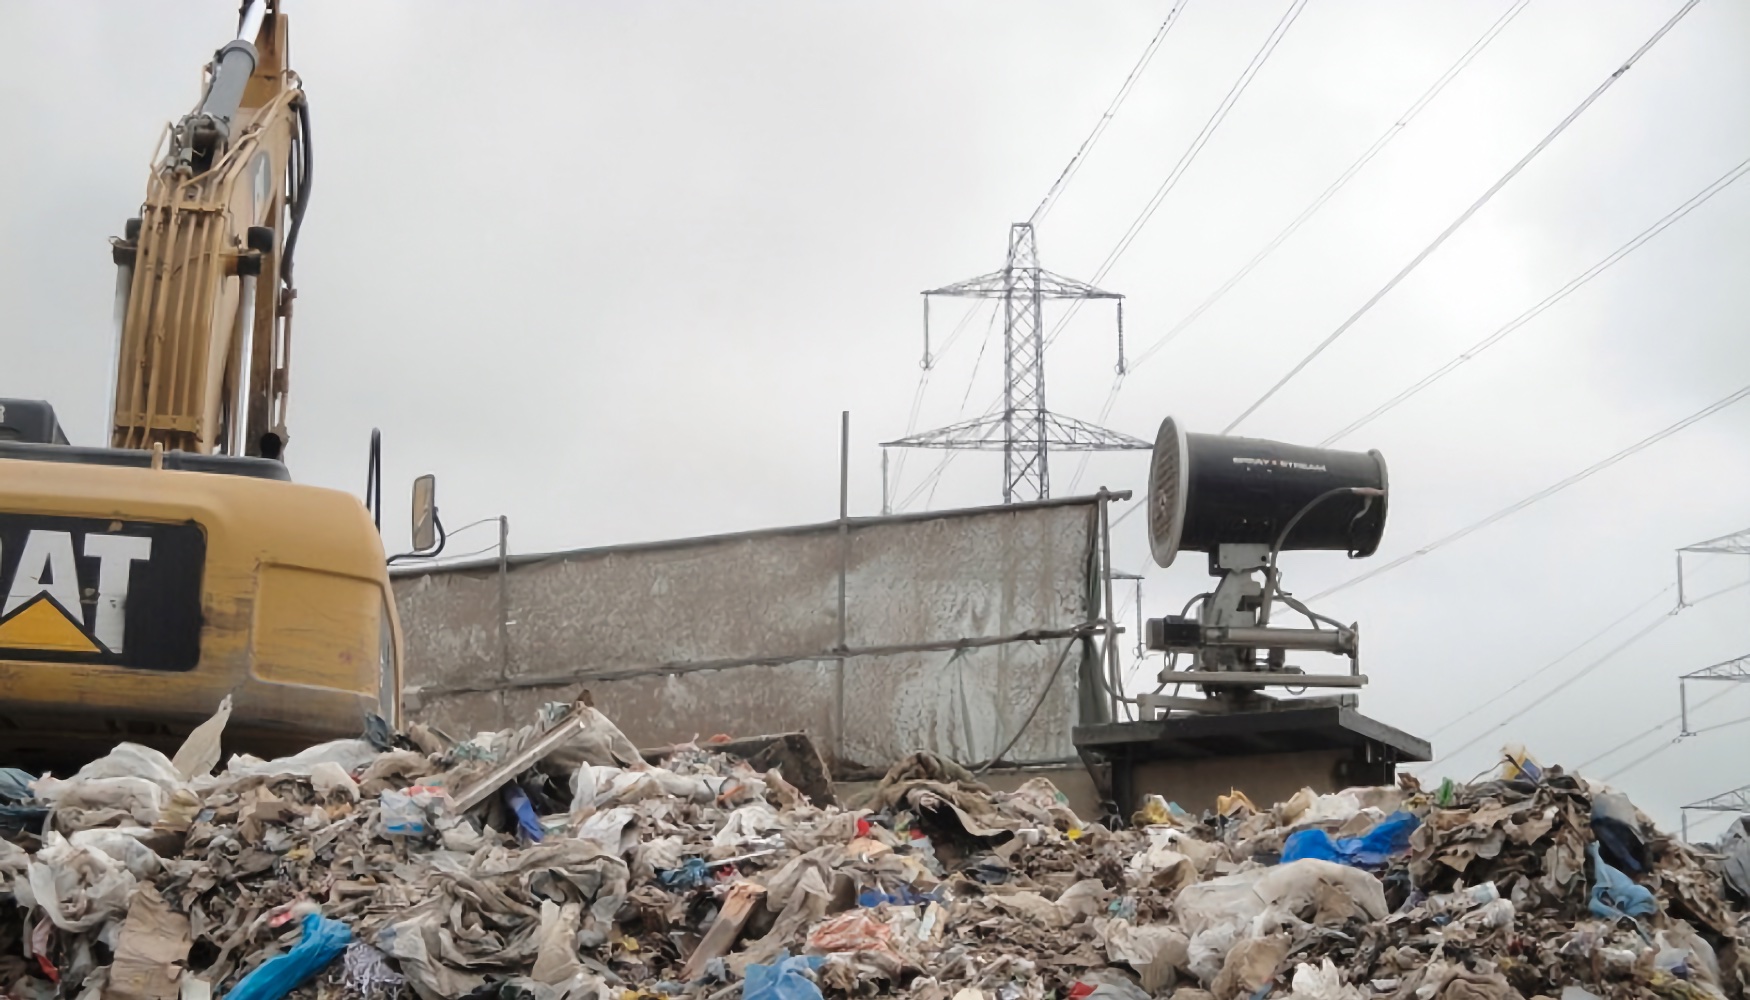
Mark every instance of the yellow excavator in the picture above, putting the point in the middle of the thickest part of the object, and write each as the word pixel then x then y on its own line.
pixel 142 582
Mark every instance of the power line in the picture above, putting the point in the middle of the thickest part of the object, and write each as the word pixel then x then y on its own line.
pixel 1546 492
pixel 972 379
pixel 1234 93
pixel 1463 217
pixel 1563 292
pixel 1724 813
pixel 1186 158
pixel 1564 685
pixel 928 366
pixel 1328 193
pixel 1306 213
pixel 1650 730
pixel 1643 734
pixel 1587 670
pixel 1661 748
pixel 1068 173
pixel 934 477
pixel 1074 165
pixel 1540 671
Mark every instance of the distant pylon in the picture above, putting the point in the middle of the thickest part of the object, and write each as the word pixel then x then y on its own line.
pixel 1026 431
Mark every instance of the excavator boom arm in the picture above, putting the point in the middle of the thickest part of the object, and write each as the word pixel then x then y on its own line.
pixel 204 287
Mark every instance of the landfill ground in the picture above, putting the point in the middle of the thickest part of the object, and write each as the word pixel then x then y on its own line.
pixel 554 861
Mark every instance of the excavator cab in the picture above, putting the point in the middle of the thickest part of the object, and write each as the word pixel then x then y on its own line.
pixel 29 420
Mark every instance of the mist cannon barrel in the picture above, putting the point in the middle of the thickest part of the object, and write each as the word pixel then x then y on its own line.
pixel 1206 490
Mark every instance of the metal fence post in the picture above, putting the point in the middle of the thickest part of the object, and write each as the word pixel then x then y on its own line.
pixel 844 572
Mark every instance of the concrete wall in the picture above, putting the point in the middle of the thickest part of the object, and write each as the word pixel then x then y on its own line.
pixel 735 634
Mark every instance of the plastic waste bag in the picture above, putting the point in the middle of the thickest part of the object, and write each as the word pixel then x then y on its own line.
pixel 787 978
pixel 853 930
pixel 1335 808
pixel 612 830
pixel 1311 844
pixel 1138 945
pixel 746 825
pixel 1451 904
pixel 690 875
pixel 528 825
pixel 902 895
pixel 1154 812
pixel 349 754
pixel 15 785
pixel 1371 850
pixel 79 888
pixel 1614 895
pixel 408 813
pixel 131 778
pixel 199 754
pixel 398 817
pixel 1250 967
pixel 122 845
pixel 1321 982
pixel 583 789
pixel 327 778
pixel 1617 828
pixel 323 941
pixel 1233 803
pixel 556 960
pixel 1518 765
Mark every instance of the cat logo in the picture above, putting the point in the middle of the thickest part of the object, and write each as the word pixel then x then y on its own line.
pixel 100 592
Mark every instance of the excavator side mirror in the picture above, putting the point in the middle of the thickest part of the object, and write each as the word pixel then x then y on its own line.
pixel 424 513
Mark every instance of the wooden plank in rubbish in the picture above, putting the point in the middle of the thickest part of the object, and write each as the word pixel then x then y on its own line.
pixel 737 908
pixel 528 757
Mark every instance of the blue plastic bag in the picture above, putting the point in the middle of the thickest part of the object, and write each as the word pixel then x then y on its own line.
pixel 784 979
pixel 1615 895
pixel 904 895
pixel 323 940
pixel 1315 844
pixel 690 875
pixel 1371 850
pixel 528 825
pixel 1391 836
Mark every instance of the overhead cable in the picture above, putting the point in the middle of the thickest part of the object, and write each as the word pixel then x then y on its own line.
pixel 1661 748
pixel 928 367
pixel 1585 671
pixel 1470 353
pixel 1189 156
pixel 1463 217
pixel 1667 722
pixel 1306 213
pixel 1568 682
pixel 1347 175
pixel 1545 493
pixel 1074 165
pixel 1068 173
pixel 1649 731
pixel 1540 671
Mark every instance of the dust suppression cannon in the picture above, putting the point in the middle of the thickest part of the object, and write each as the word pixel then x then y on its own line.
pixel 1243 502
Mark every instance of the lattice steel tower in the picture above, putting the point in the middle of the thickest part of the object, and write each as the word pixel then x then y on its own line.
pixel 1025 430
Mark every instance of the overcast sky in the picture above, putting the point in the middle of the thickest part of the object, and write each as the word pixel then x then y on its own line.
pixel 614 269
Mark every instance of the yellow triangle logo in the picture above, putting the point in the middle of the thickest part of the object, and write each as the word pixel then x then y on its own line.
pixel 42 624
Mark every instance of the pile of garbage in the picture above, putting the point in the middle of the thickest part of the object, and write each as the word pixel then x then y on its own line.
pixel 557 862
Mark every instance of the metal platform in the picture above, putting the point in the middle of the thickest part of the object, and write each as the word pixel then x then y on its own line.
pixel 1268 755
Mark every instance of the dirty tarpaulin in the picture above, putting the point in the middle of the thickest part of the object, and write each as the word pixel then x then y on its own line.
pixel 553 862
